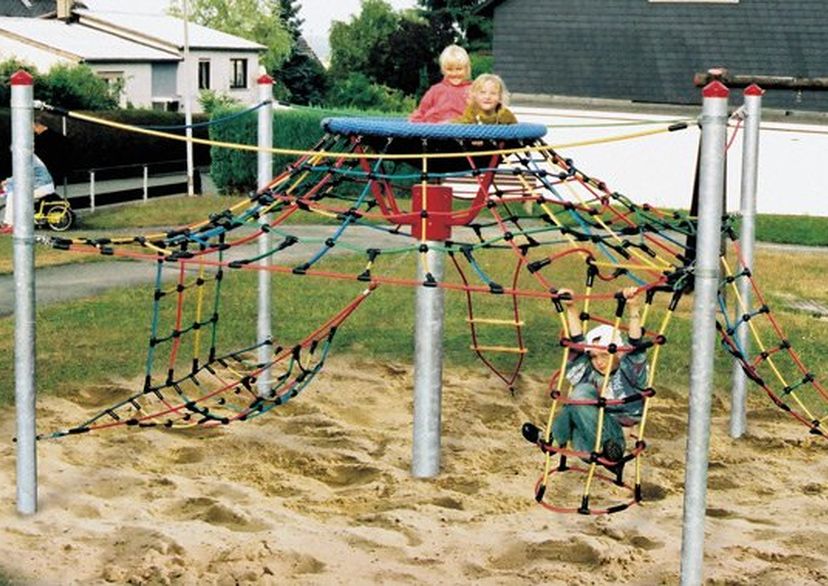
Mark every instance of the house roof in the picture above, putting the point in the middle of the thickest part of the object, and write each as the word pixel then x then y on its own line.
pixel 165 31
pixel 486 6
pixel 29 8
pixel 79 42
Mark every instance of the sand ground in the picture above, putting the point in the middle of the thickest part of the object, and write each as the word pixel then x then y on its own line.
pixel 319 492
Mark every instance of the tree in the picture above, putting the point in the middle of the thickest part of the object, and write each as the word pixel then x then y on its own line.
pixel 255 20
pixel 475 30
pixel 395 49
pixel 355 45
pixel 359 92
pixel 407 58
pixel 302 73
pixel 289 13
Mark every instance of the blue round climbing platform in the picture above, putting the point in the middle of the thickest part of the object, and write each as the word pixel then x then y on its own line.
pixel 401 128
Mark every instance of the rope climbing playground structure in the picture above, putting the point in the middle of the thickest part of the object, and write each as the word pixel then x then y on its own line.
pixel 537 236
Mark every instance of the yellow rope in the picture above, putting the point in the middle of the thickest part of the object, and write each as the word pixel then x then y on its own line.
pixel 506 349
pixel 769 360
pixel 400 156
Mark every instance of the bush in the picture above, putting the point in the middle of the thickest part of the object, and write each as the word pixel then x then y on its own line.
pixel 77 87
pixel 8 68
pixel 212 100
pixel 73 87
pixel 235 171
pixel 481 63
pixel 357 91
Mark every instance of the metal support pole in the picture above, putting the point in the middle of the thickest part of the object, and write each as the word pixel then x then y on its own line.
pixel 712 168
pixel 428 366
pixel 750 173
pixel 92 191
pixel 188 100
pixel 24 290
pixel 146 182
pixel 264 177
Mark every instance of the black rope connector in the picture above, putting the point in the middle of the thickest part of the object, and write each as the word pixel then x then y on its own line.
pixel 535 266
pixel 430 281
pixel 423 248
pixel 530 432
pixel 300 270
pixel 495 288
pixel 583 316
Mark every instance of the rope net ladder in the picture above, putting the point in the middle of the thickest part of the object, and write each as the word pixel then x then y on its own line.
pixel 534 225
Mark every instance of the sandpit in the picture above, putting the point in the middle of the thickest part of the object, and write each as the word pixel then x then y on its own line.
pixel 319 492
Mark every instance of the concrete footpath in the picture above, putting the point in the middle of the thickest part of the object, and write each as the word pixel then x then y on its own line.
pixel 62 283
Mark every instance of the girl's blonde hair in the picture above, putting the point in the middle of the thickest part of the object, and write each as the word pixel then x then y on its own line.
pixel 455 54
pixel 484 78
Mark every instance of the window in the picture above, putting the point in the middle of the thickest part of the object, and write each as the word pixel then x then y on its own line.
pixel 238 73
pixel 116 84
pixel 204 74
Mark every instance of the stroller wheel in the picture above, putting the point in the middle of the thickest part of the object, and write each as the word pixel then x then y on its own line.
pixel 62 222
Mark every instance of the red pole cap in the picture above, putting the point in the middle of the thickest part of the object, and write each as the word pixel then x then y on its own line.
pixel 754 90
pixel 21 77
pixel 264 79
pixel 715 89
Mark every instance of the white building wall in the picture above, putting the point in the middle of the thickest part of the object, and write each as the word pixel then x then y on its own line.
pixel 137 81
pixel 220 75
pixel 659 169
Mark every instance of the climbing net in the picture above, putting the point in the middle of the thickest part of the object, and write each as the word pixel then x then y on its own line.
pixel 553 224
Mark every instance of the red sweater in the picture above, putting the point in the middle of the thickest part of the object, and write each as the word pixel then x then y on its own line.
pixel 443 102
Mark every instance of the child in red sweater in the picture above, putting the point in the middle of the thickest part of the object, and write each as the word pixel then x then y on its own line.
pixel 446 100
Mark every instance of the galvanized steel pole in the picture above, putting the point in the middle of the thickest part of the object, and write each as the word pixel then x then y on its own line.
pixel 428 366
pixel 188 101
pixel 24 290
pixel 750 173
pixel 264 160
pixel 711 185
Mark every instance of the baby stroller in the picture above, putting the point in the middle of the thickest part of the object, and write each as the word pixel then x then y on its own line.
pixel 50 210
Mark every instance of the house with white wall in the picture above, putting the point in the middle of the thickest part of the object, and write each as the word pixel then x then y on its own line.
pixel 144 54
pixel 45 43
pixel 213 60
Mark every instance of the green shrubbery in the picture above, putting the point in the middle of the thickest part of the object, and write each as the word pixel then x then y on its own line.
pixel 74 87
pixel 235 171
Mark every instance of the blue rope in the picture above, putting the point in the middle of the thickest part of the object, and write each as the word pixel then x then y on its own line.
pixel 212 122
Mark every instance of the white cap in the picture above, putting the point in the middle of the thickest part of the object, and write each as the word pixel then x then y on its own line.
pixel 603 335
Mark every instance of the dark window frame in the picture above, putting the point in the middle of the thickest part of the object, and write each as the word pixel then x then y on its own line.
pixel 204 74
pixel 238 73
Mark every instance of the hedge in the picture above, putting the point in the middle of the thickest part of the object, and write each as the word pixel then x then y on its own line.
pixel 93 146
pixel 235 171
